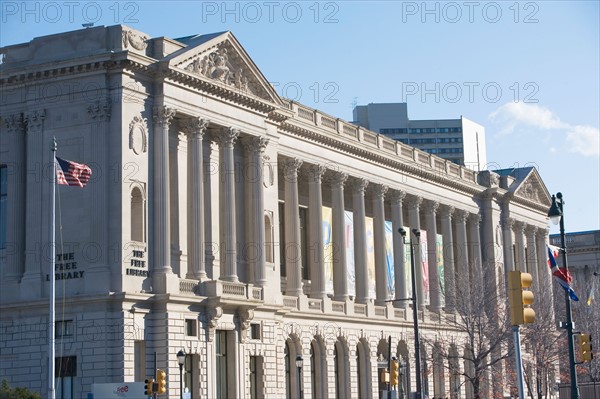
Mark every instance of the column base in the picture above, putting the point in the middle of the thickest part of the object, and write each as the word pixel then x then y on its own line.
pixel 97 280
pixel 31 286
pixel 165 283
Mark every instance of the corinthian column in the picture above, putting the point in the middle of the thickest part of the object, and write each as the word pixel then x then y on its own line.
pixel 361 275
pixel 293 245
pixel 315 223
pixel 507 245
pixel 163 116
pixel 226 139
pixel 340 272
pixel 255 150
pixel 532 267
pixel 196 128
pixel 399 256
pixel 519 228
pixel 430 209
pixel 475 244
pixel 381 272
pixel 462 247
pixel 449 273
pixel 413 204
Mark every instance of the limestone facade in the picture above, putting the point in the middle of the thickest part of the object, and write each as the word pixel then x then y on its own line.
pixel 202 227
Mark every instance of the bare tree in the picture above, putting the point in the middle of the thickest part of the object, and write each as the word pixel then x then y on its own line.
pixel 586 314
pixel 480 320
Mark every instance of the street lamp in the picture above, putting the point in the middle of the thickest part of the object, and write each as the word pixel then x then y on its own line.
pixel 401 380
pixel 299 362
pixel 556 215
pixel 181 361
pixel 417 235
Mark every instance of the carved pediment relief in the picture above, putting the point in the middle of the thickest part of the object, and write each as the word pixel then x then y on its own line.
pixel 134 39
pixel 531 188
pixel 223 63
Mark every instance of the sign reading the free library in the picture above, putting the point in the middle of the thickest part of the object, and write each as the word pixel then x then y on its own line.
pixel 65 267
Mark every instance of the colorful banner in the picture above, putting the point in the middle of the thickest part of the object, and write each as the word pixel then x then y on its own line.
pixel 439 251
pixel 389 258
pixel 370 256
pixel 424 267
pixel 328 248
pixel 350 252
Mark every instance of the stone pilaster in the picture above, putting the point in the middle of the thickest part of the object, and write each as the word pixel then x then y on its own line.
pixel 315 233
pixel 196 128
pixel 340 272
pixel 36 235
pixel 399 253
pixel 381 272
pixel 293 245
pixel 255 150
pixel 449 268
pixel 228 247
pixel 462 248
pixel 519 230
pixel 361 274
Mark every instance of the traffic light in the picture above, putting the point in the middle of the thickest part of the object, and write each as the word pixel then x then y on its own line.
pixel 161 380
pixel 585 347
pixel 394 372
pixel 519 298
pixel 149 387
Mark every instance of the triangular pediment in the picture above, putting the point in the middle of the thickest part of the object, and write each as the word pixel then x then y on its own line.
pixel 532 188
pixel 220 59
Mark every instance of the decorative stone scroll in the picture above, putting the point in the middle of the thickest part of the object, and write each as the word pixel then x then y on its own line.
pixel 138 135
pixel 135 40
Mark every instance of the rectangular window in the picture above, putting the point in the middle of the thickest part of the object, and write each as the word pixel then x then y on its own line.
pixel 63 329
pixel 3 204
pixel 65 369
pixel 255 331
pixel 191 327
pixel 221 369
pixel 256 385
pixel 188 369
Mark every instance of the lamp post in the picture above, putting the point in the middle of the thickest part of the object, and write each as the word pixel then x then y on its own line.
pixel 556 215
pixel 299 362
pixel 181 361
pixel 401 380
pixel 413 298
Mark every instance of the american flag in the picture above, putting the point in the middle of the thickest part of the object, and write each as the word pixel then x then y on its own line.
pixel 561 274
pixel 72 173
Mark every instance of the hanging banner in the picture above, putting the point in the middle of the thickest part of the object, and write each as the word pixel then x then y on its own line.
pixel 370 256
pixel 424 267
pixel 389 258
pixel 328 248
pixel 350 252
pixel 439 251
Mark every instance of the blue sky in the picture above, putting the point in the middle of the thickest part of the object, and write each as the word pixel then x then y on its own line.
pixel 527 71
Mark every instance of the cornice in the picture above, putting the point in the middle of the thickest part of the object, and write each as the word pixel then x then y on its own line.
pixel 416 170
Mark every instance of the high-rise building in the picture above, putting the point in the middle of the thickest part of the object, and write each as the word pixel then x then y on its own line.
pixel 255 234
pixel 461 141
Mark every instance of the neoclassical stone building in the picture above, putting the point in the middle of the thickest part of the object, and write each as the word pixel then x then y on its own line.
pixel 231 223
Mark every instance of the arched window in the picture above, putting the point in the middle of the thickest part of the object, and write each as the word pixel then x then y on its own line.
pixel 288 380
pixel 137 216
pixel 341 366
pixel 313 369
pixel 363 366
pixel 269 239
pixel 439 377
pixel 336 370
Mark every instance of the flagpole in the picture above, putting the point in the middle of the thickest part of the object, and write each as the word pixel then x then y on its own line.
pixel 51 322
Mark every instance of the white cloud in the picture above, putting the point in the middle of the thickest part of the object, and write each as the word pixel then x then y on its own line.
pixel 582 139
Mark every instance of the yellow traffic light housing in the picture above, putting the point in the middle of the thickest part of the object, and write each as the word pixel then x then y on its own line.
pixel 394 372
pixel 520 298
pixel 585 347
pixel 161 380
pixel 149 388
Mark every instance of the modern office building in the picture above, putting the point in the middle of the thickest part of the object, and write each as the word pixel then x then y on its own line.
pixel 461 141
pixel 254 233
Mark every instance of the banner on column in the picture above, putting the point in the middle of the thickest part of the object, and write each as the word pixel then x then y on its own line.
pixel 370 256
pixel 349 229
pixel 389 259
pixel 439 251
pixel 425 267
pixel 328 248
pixel 407 260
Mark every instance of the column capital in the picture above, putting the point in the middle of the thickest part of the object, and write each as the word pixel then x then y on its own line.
pixel 542 232
pixel 530 230
pixel 431 206
pixel 359 185
pixel 446 211
pixel 163 115
pixel 461 215
pixel 338 178
pixel 379 190
pixel 15 122
pixel 100 110
pixel 226 136
pixel 35 119
pixel 255 144
pixel 196 127
pixel 397 196
pixel 519 226
pixel 414 201
pixel 291 167
pixel 315 173
pixel 507 223
pixel 474 218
